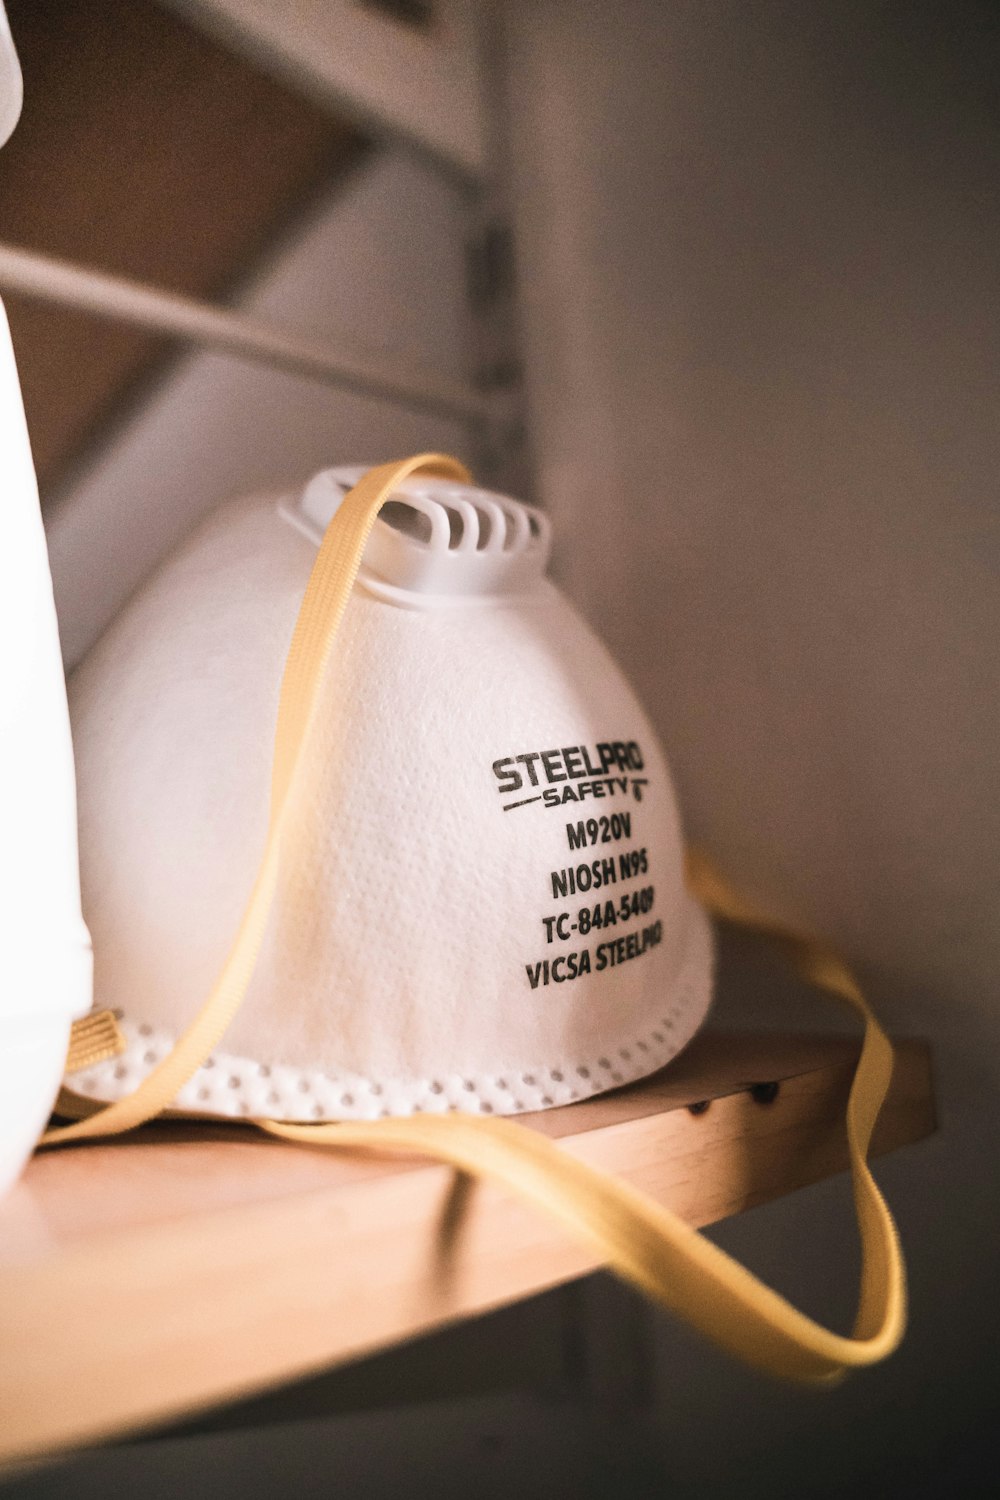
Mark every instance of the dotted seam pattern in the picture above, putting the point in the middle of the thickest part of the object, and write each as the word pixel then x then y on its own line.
pixel 234 1087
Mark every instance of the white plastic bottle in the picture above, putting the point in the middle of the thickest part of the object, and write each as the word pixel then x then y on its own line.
pixel 45 959
pixel 46 969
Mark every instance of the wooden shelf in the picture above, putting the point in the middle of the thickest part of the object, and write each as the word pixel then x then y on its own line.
pixel 191 1264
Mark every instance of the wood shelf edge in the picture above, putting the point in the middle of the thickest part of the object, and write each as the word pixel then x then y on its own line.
pixel 113 1330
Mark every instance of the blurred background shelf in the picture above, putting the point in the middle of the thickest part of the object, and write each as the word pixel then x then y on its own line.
pixel 189 1265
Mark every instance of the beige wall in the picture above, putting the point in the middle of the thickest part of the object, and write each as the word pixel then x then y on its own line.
pixel 759 263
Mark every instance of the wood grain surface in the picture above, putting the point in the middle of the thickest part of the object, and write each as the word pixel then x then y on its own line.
pixel 189 1264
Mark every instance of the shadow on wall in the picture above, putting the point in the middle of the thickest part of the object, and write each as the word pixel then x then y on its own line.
pixel 758 250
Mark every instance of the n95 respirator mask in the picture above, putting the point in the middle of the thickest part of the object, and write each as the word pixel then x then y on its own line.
pixel 377 846
pixel 485 909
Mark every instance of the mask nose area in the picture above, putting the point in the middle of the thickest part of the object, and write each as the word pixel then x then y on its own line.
pixel 435 541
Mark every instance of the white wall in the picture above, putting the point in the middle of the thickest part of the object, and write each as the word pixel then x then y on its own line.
pixel 378 263
pixel 758 250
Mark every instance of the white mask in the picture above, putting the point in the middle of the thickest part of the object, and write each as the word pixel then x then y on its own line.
pixel 487 911
pixel 382 918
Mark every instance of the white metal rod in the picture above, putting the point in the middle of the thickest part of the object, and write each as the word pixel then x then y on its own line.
pixel 115 297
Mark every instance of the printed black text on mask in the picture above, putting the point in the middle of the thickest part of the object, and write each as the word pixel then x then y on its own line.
pixel 571 773
pixel 608 955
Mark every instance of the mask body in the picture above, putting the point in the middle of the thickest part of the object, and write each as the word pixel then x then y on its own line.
pixel 485 908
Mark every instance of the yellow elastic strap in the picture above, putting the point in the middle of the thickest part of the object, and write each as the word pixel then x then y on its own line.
pixel 326 596
pixel 92 1039
pixel 640 1240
